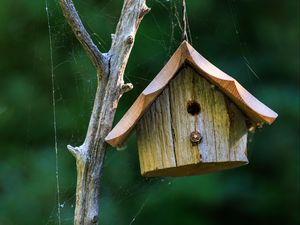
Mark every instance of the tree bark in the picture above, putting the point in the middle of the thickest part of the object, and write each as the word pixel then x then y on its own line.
pixel 110 69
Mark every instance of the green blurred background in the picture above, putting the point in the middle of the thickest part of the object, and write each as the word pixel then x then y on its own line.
pixel 256 41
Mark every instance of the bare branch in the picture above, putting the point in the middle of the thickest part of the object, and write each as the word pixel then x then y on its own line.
pixel 72 17
pixel 74 151
pixel 90 155
pixel 123 39
pixel 126 88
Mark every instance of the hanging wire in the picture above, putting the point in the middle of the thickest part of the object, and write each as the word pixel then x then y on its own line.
pixel 190 40
pixel 184 21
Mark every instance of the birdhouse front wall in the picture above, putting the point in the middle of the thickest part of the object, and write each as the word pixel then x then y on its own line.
pixel 191 106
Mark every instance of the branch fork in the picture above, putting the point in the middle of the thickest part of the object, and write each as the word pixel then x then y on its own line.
pixel 110 68
pixel 78 152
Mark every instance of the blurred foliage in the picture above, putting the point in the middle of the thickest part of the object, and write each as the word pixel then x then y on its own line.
pixel 257 42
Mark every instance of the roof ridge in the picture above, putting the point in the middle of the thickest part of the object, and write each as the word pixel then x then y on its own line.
pixel 247 103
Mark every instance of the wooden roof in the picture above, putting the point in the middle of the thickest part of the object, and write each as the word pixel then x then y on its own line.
pixel 252 107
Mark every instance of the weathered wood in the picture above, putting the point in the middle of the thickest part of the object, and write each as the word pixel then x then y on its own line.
pixel 247 103
pixel 182 90
pixel 166 127
pixel 212 122
pixel 238 135
pixel 154 132
pixel 110 69
pixel 99 60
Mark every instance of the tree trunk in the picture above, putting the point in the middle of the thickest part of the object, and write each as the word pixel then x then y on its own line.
pixel 110 69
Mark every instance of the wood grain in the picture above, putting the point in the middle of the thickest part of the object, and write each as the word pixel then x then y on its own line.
pixel 164 131
pixel 238 135
pixel 182 90
pixel 256 111
pixel 110 68
pixel 154 135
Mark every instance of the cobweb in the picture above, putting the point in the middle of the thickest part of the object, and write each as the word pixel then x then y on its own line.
pixel 84 81
pixel 54 116
pixel 125 188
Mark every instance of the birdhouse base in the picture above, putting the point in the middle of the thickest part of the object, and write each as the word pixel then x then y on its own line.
pixel 193 169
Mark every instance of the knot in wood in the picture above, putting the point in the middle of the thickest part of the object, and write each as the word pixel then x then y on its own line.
pixel 95 219
pixel 78 33
pixel 129 39
pixel 195 137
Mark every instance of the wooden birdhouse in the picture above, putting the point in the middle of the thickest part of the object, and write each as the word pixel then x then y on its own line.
pixel 191 119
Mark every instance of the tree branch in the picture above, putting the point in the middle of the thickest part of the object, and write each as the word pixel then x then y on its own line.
pixel 124 37
pixel 110 67
pixel 126 88
pixel 99 60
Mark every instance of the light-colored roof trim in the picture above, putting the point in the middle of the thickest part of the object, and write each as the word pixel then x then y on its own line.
pixel 251 106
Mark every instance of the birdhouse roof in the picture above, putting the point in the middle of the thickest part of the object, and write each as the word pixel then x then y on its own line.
pixel 246 102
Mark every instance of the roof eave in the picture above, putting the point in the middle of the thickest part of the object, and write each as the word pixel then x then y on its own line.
pixel 252 107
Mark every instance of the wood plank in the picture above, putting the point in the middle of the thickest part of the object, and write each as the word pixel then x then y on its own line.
pixel 154 134
pixel 212 122
pixel 206 120
pixel 167 125
pixel 238 135
pixel 182 90
pixel 221 125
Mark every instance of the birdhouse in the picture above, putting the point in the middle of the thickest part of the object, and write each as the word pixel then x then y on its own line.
pixel 191 119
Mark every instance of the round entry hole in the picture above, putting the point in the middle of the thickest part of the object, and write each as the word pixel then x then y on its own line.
pixel 193 108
